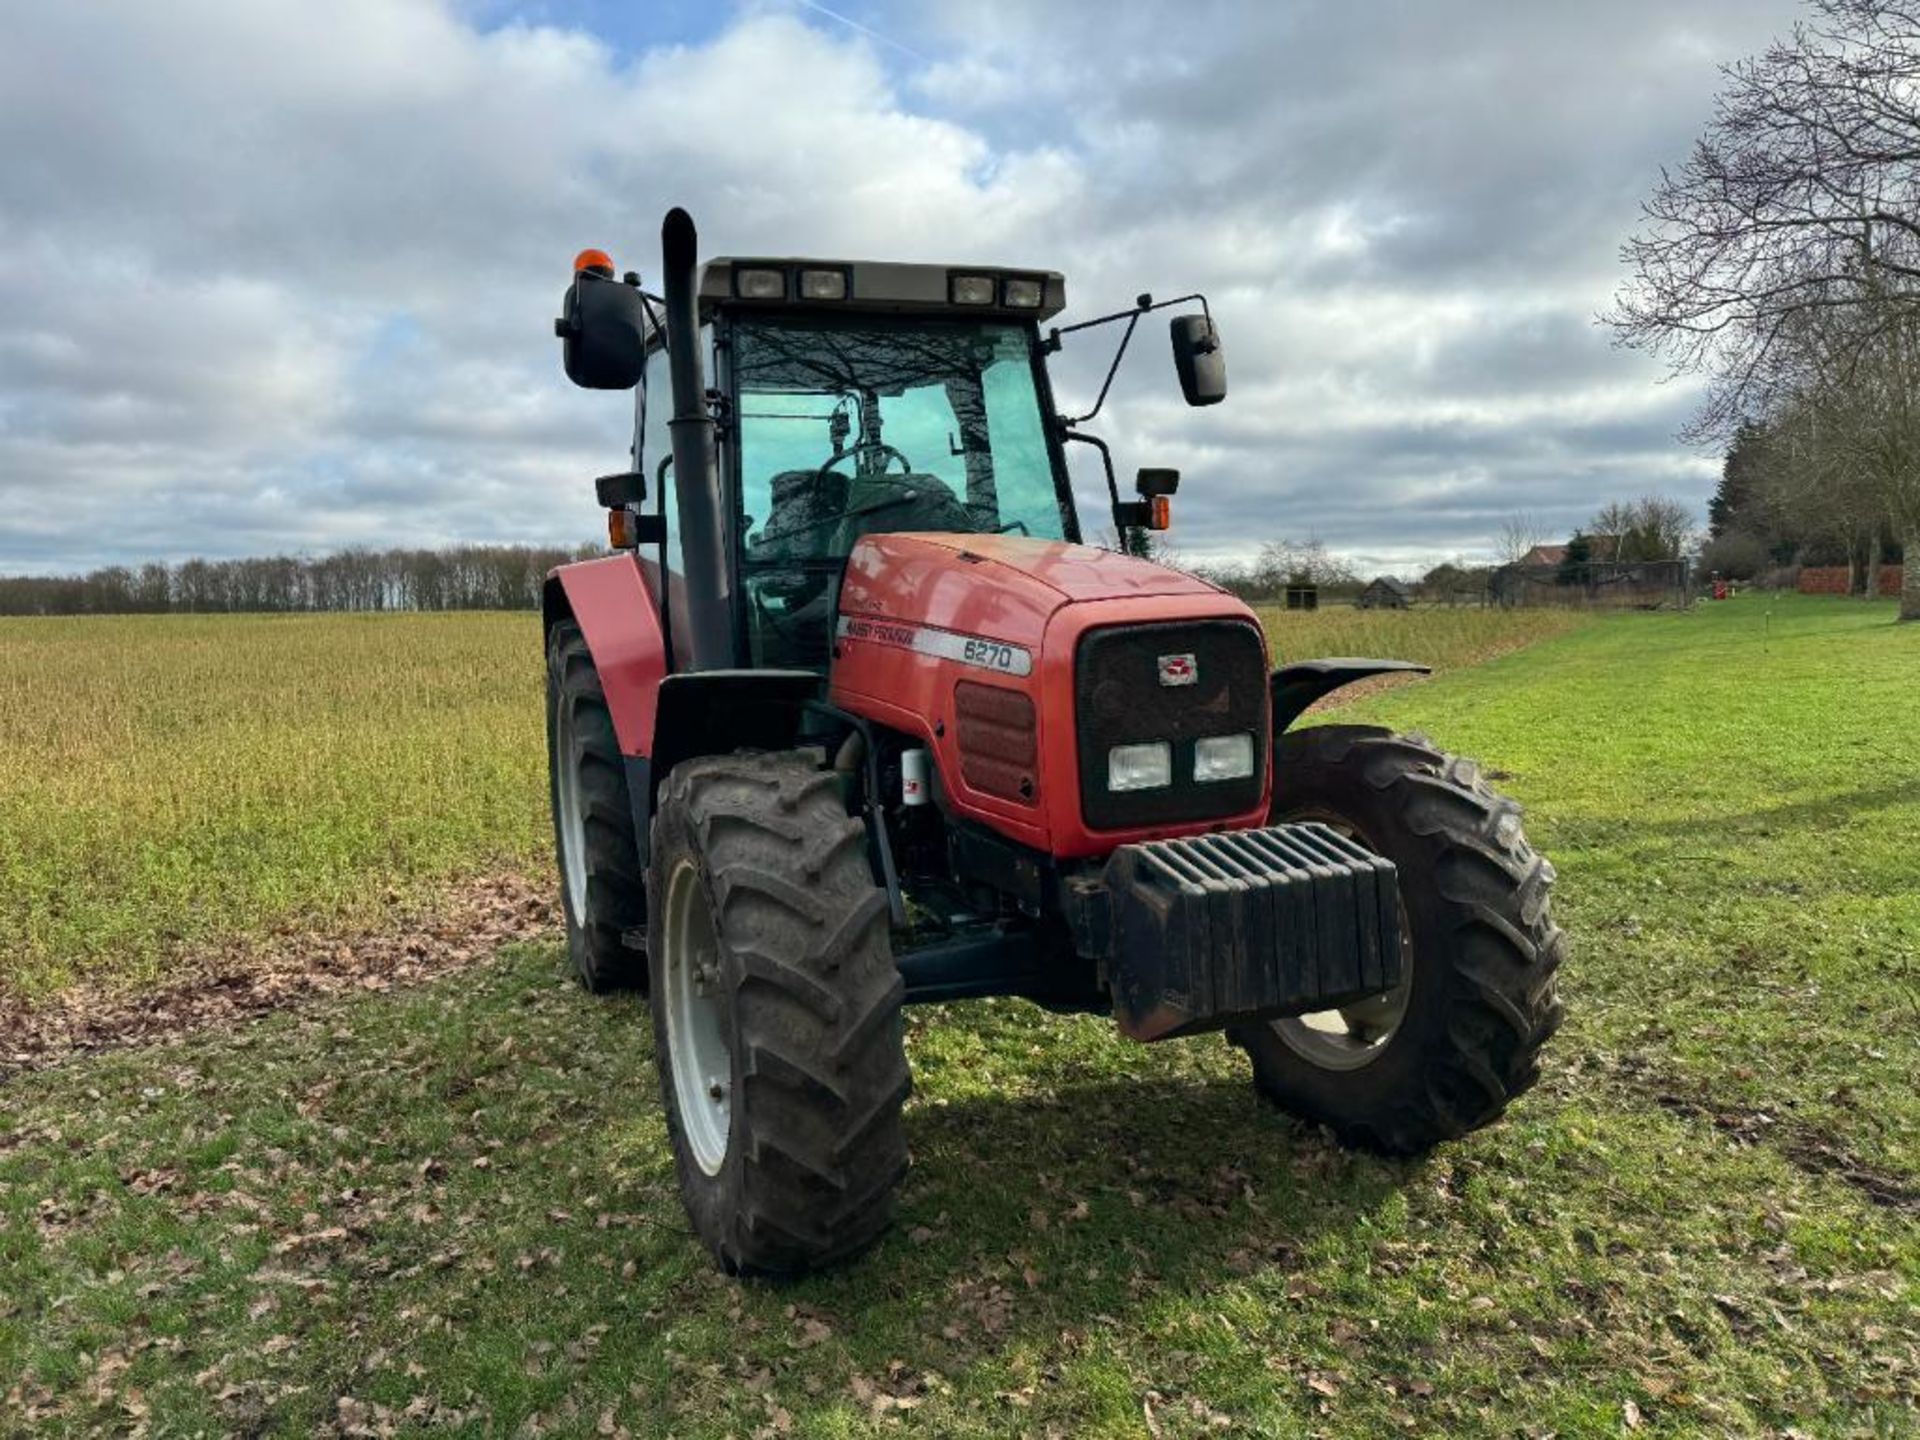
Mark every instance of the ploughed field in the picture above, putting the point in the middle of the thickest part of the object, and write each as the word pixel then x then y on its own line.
pixel 451 1203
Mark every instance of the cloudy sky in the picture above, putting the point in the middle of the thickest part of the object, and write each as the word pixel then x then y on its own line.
pixel 279 276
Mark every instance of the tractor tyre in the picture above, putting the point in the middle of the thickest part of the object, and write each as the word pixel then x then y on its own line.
pixel 776 1013
pixel 1447 1051
pixel 601 888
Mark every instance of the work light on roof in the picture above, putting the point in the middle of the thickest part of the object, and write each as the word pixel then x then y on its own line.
pixel 1022 292
pixel 823 284
pixel 972 290
pixel 758 284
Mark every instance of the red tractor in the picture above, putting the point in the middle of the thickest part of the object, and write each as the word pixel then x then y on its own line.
pixel 851 718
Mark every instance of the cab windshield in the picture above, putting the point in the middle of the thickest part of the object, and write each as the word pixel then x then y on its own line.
pixel 853 425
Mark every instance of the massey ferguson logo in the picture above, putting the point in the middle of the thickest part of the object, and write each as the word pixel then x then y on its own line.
pixel 1178 670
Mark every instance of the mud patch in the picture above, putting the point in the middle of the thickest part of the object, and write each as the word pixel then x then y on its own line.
pixel 218 985
pixel 1804 1145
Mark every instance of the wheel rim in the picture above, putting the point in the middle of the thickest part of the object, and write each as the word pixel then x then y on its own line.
pixel 1354 1035
pixel 697 1050
pixel 570 811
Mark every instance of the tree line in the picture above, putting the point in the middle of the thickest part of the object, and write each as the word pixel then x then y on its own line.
pixel 458 577
pixel 1789 494
pixel 1782 262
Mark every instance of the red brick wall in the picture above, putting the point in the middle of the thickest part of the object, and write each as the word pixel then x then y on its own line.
pixel 1832 580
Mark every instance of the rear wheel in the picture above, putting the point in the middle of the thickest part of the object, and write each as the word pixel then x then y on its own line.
pixel 1448 1049
pixel 601 887
pixel 776 1013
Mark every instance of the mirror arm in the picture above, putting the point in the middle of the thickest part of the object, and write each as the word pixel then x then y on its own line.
pixel 1067 432
pixel 1119 354
pixel 1144 305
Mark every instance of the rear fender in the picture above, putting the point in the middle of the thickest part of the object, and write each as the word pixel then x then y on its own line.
pixel 1297 686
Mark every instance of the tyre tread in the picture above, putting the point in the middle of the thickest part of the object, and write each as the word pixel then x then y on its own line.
pixel 1501 946
pixel 616 888
pixel 819 1149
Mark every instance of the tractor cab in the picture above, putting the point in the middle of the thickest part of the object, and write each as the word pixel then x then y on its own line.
pixel 848 398
pixel 854 425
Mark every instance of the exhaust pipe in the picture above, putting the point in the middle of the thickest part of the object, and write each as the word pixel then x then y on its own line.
pixel 696 472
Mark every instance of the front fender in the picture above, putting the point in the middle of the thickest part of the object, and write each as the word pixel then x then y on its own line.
pixel 715 712
pixel 1297 686
pixel 618 614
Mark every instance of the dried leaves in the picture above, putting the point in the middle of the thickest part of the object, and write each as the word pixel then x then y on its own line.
pixel 222 984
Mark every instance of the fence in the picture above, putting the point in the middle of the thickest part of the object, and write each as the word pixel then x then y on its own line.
pixel 1838 580
pixel 1639 585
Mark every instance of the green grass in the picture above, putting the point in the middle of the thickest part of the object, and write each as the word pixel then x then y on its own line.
pixel 1733 799
pixel 1705 1221
pixel 173 780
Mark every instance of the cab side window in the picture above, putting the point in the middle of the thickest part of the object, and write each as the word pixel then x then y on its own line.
pixel 656 445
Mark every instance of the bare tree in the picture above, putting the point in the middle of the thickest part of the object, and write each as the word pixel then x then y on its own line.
pixel 1827 470
pixel 1789 241
pixel 1654 527
pixel 1300 562
pixel 1519 533
pixel 1663 529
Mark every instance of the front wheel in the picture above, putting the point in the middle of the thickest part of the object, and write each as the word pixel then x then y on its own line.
pixel 776 1013
pixel 1448 1049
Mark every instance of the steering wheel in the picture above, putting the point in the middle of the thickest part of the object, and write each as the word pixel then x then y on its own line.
pixel 887 453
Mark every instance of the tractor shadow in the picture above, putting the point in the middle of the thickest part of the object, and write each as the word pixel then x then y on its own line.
pixel 1825 810
pixel 1031 1221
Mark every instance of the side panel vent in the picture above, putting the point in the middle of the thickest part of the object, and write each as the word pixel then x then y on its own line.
pixel 999 741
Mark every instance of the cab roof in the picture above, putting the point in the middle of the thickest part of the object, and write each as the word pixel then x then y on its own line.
pixel 881 285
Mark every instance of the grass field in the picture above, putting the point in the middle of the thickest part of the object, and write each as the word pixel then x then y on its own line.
pixel 179 780
pixel 169 780
pixel 453 1205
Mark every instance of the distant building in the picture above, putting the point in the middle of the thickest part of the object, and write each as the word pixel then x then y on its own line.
pixel 1386 593
pixel 1599 547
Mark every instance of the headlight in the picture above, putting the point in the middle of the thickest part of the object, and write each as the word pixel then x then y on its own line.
pixel 1223 757
pixel 1140 767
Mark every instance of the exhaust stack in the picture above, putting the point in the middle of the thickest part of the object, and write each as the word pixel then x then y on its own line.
pixel 696 474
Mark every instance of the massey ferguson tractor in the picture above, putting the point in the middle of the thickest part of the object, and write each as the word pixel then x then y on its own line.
pixel 853 718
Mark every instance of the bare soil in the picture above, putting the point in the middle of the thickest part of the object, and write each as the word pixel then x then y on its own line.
pixel 420 940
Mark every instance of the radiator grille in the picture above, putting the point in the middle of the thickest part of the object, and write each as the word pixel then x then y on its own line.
pixel 1120 700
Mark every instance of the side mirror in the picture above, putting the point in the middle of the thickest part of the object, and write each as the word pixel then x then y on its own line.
pixel 603 332
pixel 1156 482
pixel 1201 361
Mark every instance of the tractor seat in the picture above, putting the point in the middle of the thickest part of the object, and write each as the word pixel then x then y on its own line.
pixel 933 506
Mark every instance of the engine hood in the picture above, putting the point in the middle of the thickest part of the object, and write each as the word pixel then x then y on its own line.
pixel 995 582
pixel 969 641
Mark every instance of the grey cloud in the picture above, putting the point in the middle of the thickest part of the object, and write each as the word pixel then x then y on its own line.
pixel 278 276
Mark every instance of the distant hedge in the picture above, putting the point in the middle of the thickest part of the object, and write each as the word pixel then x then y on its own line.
pixel 460 577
